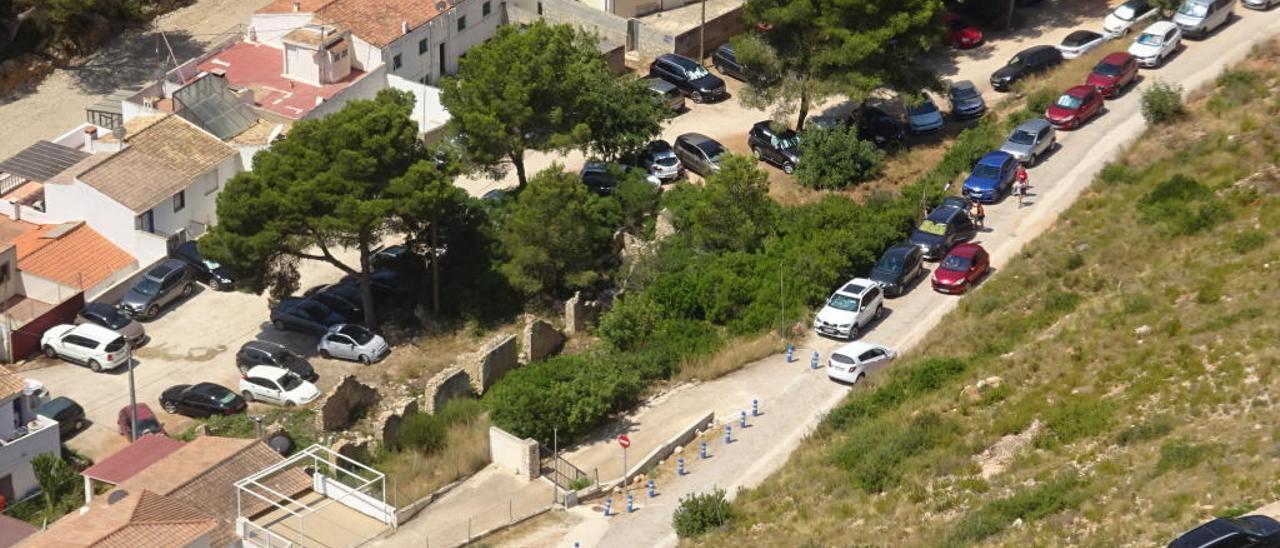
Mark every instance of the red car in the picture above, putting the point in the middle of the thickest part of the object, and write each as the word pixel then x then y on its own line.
pixel 962 267
pixel 147 422
pixel 959 34
pixel 1114 73
pixel 1075 107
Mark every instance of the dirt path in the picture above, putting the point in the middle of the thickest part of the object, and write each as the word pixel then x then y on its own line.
pixel 57 104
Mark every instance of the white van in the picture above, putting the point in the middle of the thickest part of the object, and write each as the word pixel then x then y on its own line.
pixel 1197 18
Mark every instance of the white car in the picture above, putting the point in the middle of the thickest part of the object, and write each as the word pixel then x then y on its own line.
pixel 853 361
pixel 1122 20
pixel 87 344
pixel 277 385
pixel 857 303
pixel 1081 42
pixel 1156 43
pixel 352 342
pixel 1259 4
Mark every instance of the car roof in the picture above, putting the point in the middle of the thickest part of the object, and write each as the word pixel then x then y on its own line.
pixel 1034 49
pixel 726 47
pixel 144 411
pixel 207 388
pixel 1079 91
pixel 165 267
pixel 1135 3
pixel 965 250
pixel 1160 27
pixel 962 85
pixel 855 348
pixel 1033 125
pixel 57 404
pixel 943 214
pixel 266 372
pixel 695 139
pixel 94 331
pixel 682 61
pixel 660 85
pixel 265 346
pixel 857 286
pixel 900 248
pixel 995 158
pixel 1081 36
pixel 99 308
pixel 1116 58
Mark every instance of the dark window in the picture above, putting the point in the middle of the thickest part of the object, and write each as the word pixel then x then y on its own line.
pixel 875 292
pixel 486 9
pixel 179 201
pixel 462 22
pixel 422 46
pixel 395 62
pixel 867 356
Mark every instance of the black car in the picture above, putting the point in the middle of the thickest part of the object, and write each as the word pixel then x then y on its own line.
pixel 392 256
pixel 210 272
pixel 780 148
pixel 966 100
pixel 344 300
pixel 1027 62
pixel 201 400
pixel 899 266
pixel 1248 531
pixel 879 127
pixel 304 315
pixel 67 412
pixel 726 61
pixel 693 79
pixel 945 227
pixel 114 319
pixel 255 353
pixel 603 177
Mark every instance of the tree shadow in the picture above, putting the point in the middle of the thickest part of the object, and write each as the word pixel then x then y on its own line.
pixel 134 59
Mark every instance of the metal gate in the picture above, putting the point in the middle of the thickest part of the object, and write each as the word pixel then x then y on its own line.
pixel 561 472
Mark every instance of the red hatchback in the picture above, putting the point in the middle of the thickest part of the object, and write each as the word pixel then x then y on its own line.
pixel 961 269
pixel 1114 73
pixel 959 34
pixel 1075 107
pixel 147 422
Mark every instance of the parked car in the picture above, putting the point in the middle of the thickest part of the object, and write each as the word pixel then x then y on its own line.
pixel 603 177
pixel 275 385
pixel 944 228
pixel 1027 62
pixel 966 100
pixel 1123 19
pixel 201 400
pixel 304 315
pixel 210 272
pixel 661 161
pixel 879 127
pixel 112 318
pixel 961 269
pixel 991 177
pixel 255 353
pixel 1198 18
pixel 699 153
pixel 87 344
pixel 1081 42
pixel 900 266
pixel 849 309
pixel 666 94
pixel 163 284
pixel 851 362
pixel 1113 74
pixel 1156 44
pixel 1030 141
pixel 1074 107
pixel 693 79
pixel 394 257
pixel 924 117
pixel 1254 531
pixel 726 62
pixel 391 288
pixel 1259 4
pixel 780 148
pixel 959 33
pixel 353 342
pixel 342 300
pixel 68 414
pixel 147 422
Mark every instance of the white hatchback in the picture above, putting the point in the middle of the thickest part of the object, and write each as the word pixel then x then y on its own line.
pixel 87 344
pixel 855 360
pixel 352 342
pixel 277 385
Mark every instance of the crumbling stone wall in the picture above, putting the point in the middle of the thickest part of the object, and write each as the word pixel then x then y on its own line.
pixel 492 362
pixel 345 403
pixel 444 386
pixel 540 340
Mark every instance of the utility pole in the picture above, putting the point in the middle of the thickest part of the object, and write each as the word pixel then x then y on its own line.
pixel 133 396
pixel 702 30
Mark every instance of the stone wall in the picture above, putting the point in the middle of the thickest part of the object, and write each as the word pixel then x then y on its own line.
pixel 514 454
pixel 718 31
pixel 444 386
pixel 344 402
pixel 492 362
pixel 389 421
pixel 539 340
pixel 581 313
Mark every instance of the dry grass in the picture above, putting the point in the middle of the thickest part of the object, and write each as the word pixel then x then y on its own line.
pixel 412 475
pixel 1072 72
pixel 434 352
pixel 735 354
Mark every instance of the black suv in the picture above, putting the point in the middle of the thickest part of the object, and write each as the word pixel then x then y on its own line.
pixel 1248 531
pixel 879 127
pixel 1027 62
pixel 946 226
pixel 899 266
pixel 780 148
pixel 209 272
pixel 161 285
pixel 255 353
pixel 693 79
pixel 726 61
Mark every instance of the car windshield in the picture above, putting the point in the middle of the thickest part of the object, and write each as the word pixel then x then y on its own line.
pixel 290 381
pixel 147 286
pixel 984 171
pixel 115 345
pixel 695 72
pixel 148 425
pixel 953 262
pixel 357 333
pixel 1023 137
pixel 843 302
pixel 920 236
pixel 1150 39
pixel 211 265
pixel 1193 9
pixel 789 141
pixel 1068 102
pixel 667 160
pixel 113 318
pixel 1077 40
pixel 841 358
pixel 1015 61
pixel 1107 69
pixel 889 264
pixel 962 94
pixel 925 107
pixel 932 227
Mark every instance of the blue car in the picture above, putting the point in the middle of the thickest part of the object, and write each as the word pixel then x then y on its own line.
pixel 991 178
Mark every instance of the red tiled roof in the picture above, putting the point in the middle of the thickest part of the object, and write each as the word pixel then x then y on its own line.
pixel 286 6
pixel 379 22
pixel 12 531
pixel 71 254
pixel 124 519
pixel 131 460
pixel 260 68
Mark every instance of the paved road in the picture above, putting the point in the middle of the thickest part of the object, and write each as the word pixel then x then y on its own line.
pixel 794 399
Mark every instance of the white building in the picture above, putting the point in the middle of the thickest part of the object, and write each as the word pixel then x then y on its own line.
pixel 23 436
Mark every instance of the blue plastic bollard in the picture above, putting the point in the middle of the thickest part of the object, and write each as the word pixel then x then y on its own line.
pixel 755 408
pixel 631 507
pixel 704 450
pixel 742 420
pixel 728 433
pixel 608 503
pixel 813 363
pixel 791 350
pixel 680 466
pixel 653 492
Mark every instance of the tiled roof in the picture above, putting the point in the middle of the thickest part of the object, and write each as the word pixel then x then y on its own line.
pixel 69 175
pixel 41 161
pixel 72 254
pixel 124 519
pixel 10 383
pixel 379 22
pixel 160 160
pixel 286 6
pixel 13 530
pixel 131 460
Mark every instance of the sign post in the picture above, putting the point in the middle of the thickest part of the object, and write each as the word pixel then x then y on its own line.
pixel 625 442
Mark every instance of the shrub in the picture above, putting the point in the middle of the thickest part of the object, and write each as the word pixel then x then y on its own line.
pixel 637 199
pixel 1236 87
pixel 1115 172
pixel 1147 431
pixel 836 159
pixel 1182 455
pixel 1248 240
pixel 574 394
pixel 1031 504
pixel 699 513
pixel 1162 103
pixel 1076 418
pixel 873 454
pixel 423 432
pixel 1181 205
pixel 1039 100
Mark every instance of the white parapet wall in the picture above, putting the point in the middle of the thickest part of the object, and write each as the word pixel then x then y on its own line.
pixel 512 453
pixel 351 498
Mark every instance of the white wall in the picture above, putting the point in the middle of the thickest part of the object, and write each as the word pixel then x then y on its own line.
pixel 427 110
pixel 15 458
pixel 300 63
pixel 443 29
pixel 78 201
pixel 201 200
pixel 46 290
pixel 366 87
pixel 365 56
pixel 353 499
pixel 514 454
pixel 269 28
pixel 149 248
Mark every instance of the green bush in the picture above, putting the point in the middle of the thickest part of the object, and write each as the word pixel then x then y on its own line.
pixel 699 513
pixel 574 394
pixel 1043 500
pixel 1146 431
pixel 637 200
pixel 927 376
pixel 1236 87
pixel 1039 100
pixel 1076 418
pixel 423 432
pixel 837 159
pixel 1162 103
pixel 873 453
pixel 1114 173
pixel 1181 205
pixel 1183 455
pixel 1248 240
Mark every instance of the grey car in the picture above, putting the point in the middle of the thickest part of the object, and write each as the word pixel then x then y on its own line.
pixel 699 153
pixel 1030 141
pixel 666 94
pixel 167 282
pixel 114 319
pixel 966 100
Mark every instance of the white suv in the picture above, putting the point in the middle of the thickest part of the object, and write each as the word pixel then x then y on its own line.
pixel 277 385
pixel 86 344
pixel 854 360
pixel 1155 44
pixel 849 309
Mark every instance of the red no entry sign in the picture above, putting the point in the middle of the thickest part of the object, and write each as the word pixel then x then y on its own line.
pixel 624 441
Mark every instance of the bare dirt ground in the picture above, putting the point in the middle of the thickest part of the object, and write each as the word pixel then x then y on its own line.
pixel 56 104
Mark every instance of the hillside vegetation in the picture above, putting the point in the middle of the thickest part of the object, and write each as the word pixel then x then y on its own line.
pixel 1135 345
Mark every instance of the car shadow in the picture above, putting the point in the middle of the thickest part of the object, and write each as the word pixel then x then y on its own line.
pixel 196 289
pixel 1029 24
pixel 301 344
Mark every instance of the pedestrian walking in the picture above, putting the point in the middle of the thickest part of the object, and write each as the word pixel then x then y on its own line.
pixel 1020 188
pixel 1021 175
pixel 979 214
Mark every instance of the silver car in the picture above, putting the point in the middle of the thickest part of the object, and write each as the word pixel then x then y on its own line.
pixel 1030 141
pixel 354 343
pixel 661 161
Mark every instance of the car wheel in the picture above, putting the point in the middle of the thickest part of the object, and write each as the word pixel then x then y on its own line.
pixel 95 366
pixel 859 378
pixel 79 424
pixel 279 325
pixel 50 352
pixel 325 354
pixel 365 359
pixel 247 395
pixel 853 331
pixel 187 289
pixel 756 153
pixel 289 403
pixel 169 407
pixel 879 312
pixel 788 168
pixel 153 312
pixel 696 96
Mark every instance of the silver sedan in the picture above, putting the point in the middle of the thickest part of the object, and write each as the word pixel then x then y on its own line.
pixel 352 342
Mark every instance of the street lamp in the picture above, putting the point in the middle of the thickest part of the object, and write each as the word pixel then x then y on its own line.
pixel 133 395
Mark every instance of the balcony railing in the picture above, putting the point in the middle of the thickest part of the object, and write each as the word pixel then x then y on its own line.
pixel 30 429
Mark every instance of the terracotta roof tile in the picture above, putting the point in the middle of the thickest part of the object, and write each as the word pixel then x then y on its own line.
pixel 286 6
pixel 10 383
pixel 71 254
pixel 124 519
pixel 378 22
pixel 131 460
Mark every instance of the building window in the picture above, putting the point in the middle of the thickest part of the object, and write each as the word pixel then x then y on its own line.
pixel 422 46
pixel 486 9
pixel 179 201
pixel 210 182
pixel 395 62
pixel 462 23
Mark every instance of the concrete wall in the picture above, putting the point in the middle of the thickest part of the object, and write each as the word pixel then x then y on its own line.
pixel 201 200
pixel 514 454
pixel 353 499
pixel 341 403
pixel 269 28
pixel 15 457
pixel 78 201
pixel 44 289
pixel 300 63
pixel 428 111
pixel 366 87
pixel 718 31
pixel 444 386
pixel 665 450
pixel 492 362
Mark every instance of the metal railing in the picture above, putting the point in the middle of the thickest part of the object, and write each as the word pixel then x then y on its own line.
pixel 256 535
pixel 561 472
